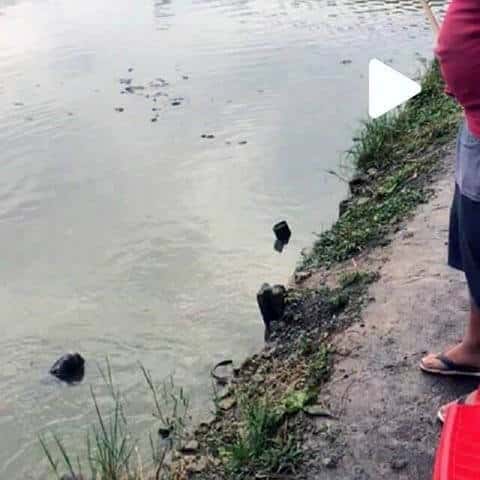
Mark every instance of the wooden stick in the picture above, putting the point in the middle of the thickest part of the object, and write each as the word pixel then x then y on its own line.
pixel 431 16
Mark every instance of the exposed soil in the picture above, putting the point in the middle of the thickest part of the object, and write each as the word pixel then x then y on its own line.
pixel 386 426
pixel 375 413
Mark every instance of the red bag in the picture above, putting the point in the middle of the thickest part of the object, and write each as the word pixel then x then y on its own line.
pixel 458 453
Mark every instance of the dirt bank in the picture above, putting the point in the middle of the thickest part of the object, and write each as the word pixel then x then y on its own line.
pixel 374 411
pixel 386 425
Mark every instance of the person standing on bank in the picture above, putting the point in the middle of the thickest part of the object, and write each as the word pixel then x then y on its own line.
pixel 458 52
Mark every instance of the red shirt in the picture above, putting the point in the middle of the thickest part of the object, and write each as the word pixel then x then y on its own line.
pixel 458 51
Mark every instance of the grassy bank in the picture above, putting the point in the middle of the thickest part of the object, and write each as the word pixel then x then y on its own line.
pixel 395 157
pixel 260 415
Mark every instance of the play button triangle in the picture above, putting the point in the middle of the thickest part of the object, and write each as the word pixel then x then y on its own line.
pixel 387 88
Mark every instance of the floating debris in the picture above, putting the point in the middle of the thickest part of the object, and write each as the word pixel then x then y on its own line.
pixel 158 83
pixel 242 142
pixel 209 136
pixel 346 62
pixel 134 88
pixel 119 109
pixel 154 119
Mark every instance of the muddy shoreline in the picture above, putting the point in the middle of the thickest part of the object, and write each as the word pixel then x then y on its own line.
pixel 325 313
pixel 297 376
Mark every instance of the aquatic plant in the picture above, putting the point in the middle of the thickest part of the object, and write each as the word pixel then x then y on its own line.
pixel 112 452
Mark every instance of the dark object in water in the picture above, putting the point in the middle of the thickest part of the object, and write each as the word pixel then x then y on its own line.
pixel 282 231
pixel 221 379
pixel 69 368
pixel 271 302
pixel 358 182
pixel 164 432
pixel 278 245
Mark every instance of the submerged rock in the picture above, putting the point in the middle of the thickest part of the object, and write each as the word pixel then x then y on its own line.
pixel 358 182
pixel 271 302
pixel 164 432
pixel 69 368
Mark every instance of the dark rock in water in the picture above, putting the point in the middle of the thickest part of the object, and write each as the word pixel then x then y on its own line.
pixel 69 368
pixel 358 182
pixel 130 69
pixel 209 136
pixel 282 231
pixel 271 302
pixel 242 142
pixel 119 109
pixel 278 246
pixel 164 432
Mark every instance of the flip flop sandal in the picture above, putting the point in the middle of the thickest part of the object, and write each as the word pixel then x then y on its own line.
pixel 442 411
pixel 451 368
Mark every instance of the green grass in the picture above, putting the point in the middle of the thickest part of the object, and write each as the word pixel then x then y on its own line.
pixel 261 445
pixel 428 118
pixel 320 366
pixel 397 154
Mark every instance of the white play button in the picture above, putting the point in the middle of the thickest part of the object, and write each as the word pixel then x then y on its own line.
pixel 387 88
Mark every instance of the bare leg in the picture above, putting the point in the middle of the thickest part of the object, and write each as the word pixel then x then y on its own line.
pixel 468 351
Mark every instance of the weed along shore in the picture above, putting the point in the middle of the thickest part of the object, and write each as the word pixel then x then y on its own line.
pixel 290 411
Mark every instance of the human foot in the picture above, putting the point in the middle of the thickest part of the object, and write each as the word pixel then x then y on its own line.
pixel 459 360
pixel 470 399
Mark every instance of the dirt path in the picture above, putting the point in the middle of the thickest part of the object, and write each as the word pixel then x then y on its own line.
pixel 386 407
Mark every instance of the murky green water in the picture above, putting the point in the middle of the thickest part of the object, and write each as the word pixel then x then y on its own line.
pixel 140 239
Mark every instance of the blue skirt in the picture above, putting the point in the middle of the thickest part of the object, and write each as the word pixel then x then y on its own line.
pixel 464 241
pixel 464 233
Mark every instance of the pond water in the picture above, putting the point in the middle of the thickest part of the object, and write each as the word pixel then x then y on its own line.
pixel 126 234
